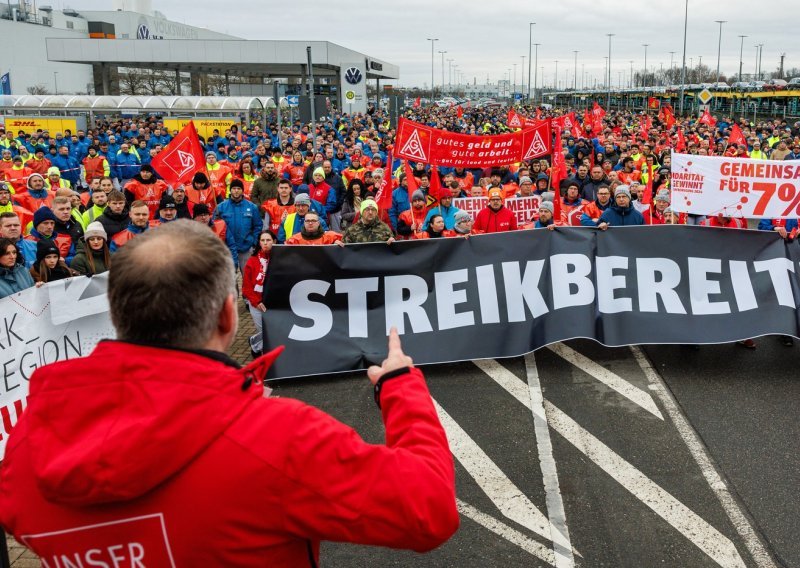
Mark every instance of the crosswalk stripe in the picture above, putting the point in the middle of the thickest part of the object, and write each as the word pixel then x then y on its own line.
pixel 506 496
pixel 611 380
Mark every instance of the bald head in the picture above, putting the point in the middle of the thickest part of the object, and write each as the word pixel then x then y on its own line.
pixel 168 286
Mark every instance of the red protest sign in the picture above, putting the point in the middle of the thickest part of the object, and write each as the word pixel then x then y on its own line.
pixel 182 157
pixel 421 143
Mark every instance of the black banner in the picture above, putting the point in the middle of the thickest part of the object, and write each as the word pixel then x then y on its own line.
pixel 507 294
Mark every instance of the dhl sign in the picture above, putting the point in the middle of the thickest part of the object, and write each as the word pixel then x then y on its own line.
pixel 205 126
pixel 30 124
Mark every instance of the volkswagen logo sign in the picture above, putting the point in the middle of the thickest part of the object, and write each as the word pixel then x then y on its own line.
pixel 142 32
pixel 353 75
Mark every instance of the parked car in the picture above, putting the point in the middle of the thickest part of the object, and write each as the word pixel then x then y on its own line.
pixel 740 86
pixel 756 85
pixel 720 86
pixel 776 85
pixel 794 83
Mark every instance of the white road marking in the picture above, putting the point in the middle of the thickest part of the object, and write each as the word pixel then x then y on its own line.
pixel 703 460
pixel 611 380
pixel 684 520
pixel 562 547
pixel 510 534
pixel 506 496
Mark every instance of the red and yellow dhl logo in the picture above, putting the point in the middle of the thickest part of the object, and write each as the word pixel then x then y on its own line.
pixel 20 123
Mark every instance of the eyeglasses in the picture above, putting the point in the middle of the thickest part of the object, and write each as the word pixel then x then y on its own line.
pixel 311 221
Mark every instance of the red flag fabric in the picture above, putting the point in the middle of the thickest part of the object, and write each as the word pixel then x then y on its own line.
pixel 417 102
pixel 558 172
pixel 538 113
pixel 669 117
pixel 737 136
pixel 647 196
pixel 412 181
pixel 183 156
pixel 384 195
pixel 707 119
pixel 653 103
pixel 460 112
pixel 598 113
pixel 681 145
pixel 513 121
pixel 435 189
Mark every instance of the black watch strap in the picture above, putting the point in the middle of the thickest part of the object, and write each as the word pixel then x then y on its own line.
pixel 387 377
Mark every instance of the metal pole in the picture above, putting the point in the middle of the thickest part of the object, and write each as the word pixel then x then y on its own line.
pixel 433 41
pixel 608 102
pixel 514 84
pixel 442 53
pixel 760 55
pixel 741 55
pixel 530 42
pixel 55 81
pixel 536 71
pixel 719 46
pixel 311 98
pixel 683 67
pixel 644 79
pixel 522 77
pixel 631 78
pixel 575 78
pixel 450 75
pixel 555 77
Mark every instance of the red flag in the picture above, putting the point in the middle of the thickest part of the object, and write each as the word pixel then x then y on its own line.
pixel 681 145
pixel 183 156
pixel 538 113
pixel 513 120
pixel 597 118
pixel 653 102
pixel 647 196
pixel 412 181
pixel 707 119
pixel 435 189
pixel 460 112
pixel 737 136
pixel 417 102
pixel 558 172
pixel 669 117
pixel 384 195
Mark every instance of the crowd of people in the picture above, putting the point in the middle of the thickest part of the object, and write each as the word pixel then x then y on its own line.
pixel 69 201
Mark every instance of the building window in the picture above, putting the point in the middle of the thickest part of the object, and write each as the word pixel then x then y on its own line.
pixel 70 25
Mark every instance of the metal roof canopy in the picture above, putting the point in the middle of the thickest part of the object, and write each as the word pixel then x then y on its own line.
pixel 248 58
pixel 153 103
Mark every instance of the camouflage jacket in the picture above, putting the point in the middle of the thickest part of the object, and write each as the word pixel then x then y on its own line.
pixel 375 232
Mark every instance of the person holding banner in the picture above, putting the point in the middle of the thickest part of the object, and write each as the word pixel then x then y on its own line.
pixel 621 213
pixel 115 448
pixel 495 217
pixel 312 233
pixel 446 209
pixel 255 272
pixel 369 228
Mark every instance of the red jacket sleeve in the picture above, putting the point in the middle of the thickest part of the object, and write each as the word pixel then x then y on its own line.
pixel 481 221
pixel 337 487
pixel 249 281
pixel 512 222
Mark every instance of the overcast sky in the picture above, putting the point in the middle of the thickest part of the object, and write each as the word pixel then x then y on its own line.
pixel 488 37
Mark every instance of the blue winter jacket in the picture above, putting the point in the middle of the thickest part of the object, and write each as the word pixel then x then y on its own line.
pixel 70 168
pixel 243 224
pixel 448 213
pixel 617 216
pixel 125 166
pixel 768 225
pixel 400 202
pixel 13 280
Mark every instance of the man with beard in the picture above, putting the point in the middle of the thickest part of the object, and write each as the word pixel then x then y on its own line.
pixel 495 217
pixel 146 187
pixel 266 185
pixel 312 233
pixel 182 206
pixel 411 222
pixel 369 228
pixel 592 211
pixel 597 178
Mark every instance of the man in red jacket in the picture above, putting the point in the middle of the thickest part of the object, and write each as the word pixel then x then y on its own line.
pixel 495 217
pixel 159 450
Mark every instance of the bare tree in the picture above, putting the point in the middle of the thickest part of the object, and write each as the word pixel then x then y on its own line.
pixel 39 89
pixel 131 81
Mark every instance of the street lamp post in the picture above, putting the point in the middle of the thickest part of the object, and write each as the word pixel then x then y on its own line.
pixel 555 77
pixel 760 55
pixel 644 79
pixel 719 45
pixel 442 54
pixel 575 77
pixel 433 40
pixel 530 42
pixel 450 75
pixel 608 102
pixel 741 55
pixel 683 66
pixel 55 81
pixel 522 76
pixel 536 71
pixel 514 83
pixel 631 77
